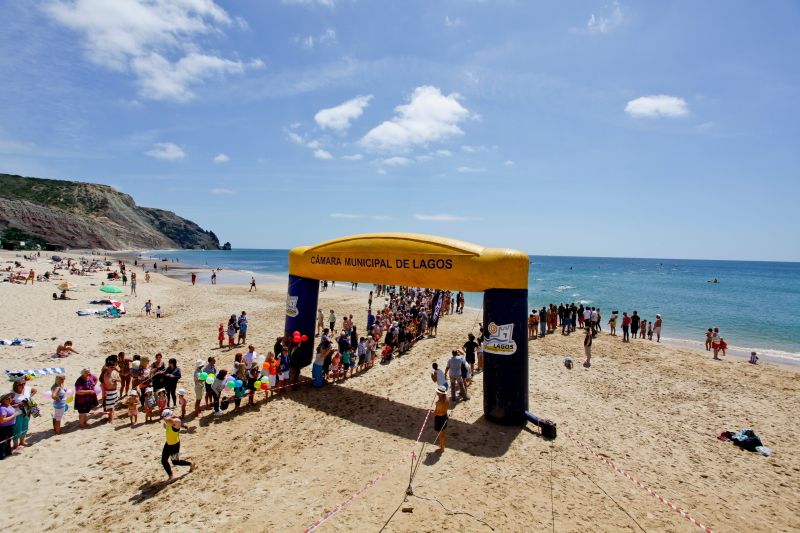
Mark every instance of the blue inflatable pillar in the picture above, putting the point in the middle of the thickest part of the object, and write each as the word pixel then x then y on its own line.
pixel 301 312
pixel 505 355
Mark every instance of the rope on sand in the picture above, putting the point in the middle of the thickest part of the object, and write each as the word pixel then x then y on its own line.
pixel 330 514
pixel 640 484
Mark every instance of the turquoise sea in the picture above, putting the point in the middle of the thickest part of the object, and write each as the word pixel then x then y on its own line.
pixel 755 304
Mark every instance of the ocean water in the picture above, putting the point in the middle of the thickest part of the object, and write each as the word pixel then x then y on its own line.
pixel 755 304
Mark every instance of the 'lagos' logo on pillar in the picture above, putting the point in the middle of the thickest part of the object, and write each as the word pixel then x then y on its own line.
pixel 500 339
pixel 291 306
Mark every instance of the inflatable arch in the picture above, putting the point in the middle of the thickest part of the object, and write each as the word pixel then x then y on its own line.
pixel 438 263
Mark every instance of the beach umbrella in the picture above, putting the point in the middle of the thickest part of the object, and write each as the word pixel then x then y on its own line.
pixel 110 289
pixel 66 286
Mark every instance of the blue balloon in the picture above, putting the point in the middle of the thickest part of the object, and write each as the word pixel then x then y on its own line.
pixel 239 383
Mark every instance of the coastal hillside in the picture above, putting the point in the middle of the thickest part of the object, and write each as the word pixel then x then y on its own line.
pixel 87 215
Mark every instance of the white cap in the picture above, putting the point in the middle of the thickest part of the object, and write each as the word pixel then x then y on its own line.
pixel 166 413
pixel 199 362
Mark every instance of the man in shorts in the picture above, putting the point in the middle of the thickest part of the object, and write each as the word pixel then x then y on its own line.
pixel 440 415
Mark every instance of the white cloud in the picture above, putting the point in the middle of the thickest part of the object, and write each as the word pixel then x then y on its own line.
pixel 326 38
pixel 354 157
pixel 322 154
pixel 508 163
pixel 345 215
pixel 221 191
pixel 443 217
pixel 396 161
pixel 314 144
pixel 444 153
pixel 221 158
pixel 296 138
pixel 428 117
pixel 452 23
pixel 159 41
pixel 424 157
pixel 606 23
pixel 705 126
pixel 659 105
pixel 326 3
pixel 473 149
pixel 382 171
pixel 339 117
pixel 470 170
pixel 167 151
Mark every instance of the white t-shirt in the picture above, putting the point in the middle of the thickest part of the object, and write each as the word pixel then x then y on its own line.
pixel 587 314
pixel 454 365
pixel 594 316
pixel 440 379
pixel 248 359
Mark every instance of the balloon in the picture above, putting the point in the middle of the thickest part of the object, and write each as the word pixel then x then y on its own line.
pixel 257 384
pixel 296 339
pixel 304 338
pixel 230 384
pixel 210 380
pixel 212 376
pixel 97 389
pixel 264 386
pixel 265 366
pixel 239 383
pixel 47 394
pixel 203 376
pixel 296 334
pixel 261 359
pixel 69 400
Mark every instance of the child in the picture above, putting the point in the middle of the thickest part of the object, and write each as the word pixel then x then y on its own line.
pixel 231 335
pixel 59 395
pixel 283 368
pixel 370 351
pixel 479 352
pixel 182 401
pixel 271 367
pixel 221 335
pixel 643 329
pixel 336 366
pixel 345 362
pixel 252 376
pixel 216 390
pixel 650 330
pixel 241 389
pixel 149 404
pixel 723 345
pixel 161 399
pixel 753 358
pixel 158 311
pixel 362 353
pixel 133 406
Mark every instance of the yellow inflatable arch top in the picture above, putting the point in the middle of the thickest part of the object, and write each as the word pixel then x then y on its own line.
pixel 412 260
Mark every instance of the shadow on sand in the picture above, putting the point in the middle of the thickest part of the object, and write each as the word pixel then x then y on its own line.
pixel 480 438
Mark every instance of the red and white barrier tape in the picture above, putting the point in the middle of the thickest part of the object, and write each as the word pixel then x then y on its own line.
pixel 330 514
pixel 641 485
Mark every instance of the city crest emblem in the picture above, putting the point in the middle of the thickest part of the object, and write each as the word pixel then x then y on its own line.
pixel 499 340
pixel 291 306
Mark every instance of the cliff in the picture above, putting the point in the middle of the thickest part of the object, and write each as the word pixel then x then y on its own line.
pixel 87 215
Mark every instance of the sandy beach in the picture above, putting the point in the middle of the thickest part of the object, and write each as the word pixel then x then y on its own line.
pixel 652 410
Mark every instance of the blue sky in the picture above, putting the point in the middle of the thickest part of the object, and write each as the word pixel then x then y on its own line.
pixel 648 129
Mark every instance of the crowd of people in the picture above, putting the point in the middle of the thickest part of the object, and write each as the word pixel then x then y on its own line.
pixel 570 317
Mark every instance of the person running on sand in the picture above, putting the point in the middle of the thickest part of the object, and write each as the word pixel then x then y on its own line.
pixel 440 416
pixel 65 349
pixel 252 284
pixel 172 446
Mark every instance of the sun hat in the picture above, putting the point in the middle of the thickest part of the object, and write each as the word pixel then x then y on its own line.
pixel 181 392
pixel 159 391
pixel 149 389
pixel 441 389
pixel 133 393
pixel 166 413
pixel 199 362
